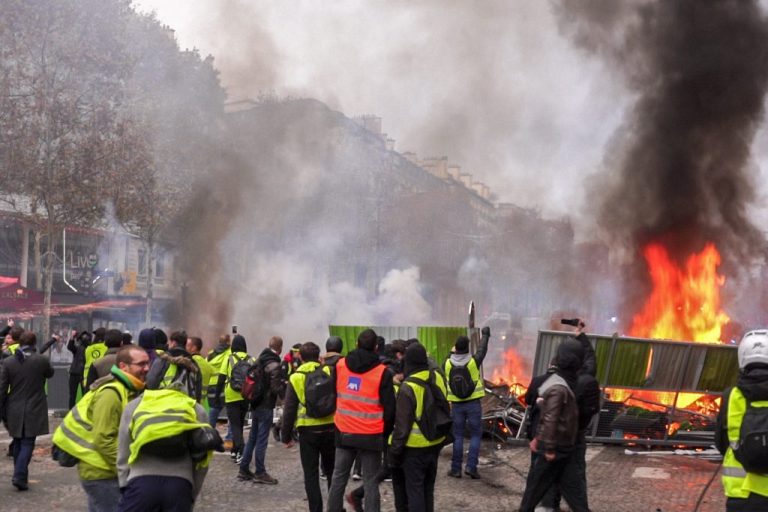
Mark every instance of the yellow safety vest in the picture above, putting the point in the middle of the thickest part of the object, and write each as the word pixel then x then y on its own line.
pixel 75 435
pixel 737 482
pixel 13 348
pixel 206 371
pixel 298 379
pixel 474 374
pixel 92 353
pixel 415 438
pixel 163 413
pixel 216 363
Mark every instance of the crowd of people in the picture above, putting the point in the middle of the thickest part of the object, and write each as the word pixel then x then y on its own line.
pixel 142 426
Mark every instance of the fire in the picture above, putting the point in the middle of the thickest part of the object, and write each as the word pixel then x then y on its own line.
pixel 513 372
pixel 684 305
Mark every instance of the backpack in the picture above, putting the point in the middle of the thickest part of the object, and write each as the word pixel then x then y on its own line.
pixel 460 381
pixel 239 371
pixel 319 393
pixel 255 386
pixel 190 383
pixel 752 451
pixel 435 421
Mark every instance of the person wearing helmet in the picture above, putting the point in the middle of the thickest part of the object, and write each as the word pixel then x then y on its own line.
pixel 745 488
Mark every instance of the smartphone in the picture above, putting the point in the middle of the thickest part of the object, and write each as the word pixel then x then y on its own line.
pixel 234 329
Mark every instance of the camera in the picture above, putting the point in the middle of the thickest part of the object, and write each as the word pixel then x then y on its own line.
pixel 570 321
pixel 234 329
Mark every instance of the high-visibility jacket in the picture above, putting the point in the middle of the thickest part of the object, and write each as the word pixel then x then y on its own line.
pixel 298 380
pixel 162 413
pixel 12 348
pixel 216 363
pixel 92 353
pixel 206 372
pixel 737 482
pixel 474 374
pixel 415 438
pixel 358 405
pixel 75 435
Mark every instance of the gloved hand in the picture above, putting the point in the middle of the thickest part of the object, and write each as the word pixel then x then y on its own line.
pixel 486 331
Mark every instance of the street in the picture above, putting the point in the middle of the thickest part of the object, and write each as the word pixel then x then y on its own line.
pixel 617 483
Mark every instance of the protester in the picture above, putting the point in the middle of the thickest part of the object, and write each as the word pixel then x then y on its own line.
pixel 12 344
pixel 95 422
pixel 365 413
pixel 745 486
pixel 555 438
pixel 127 338
pixel 94 351
pixel 411 453
pixel 176 366
pixel 263 413
pixel 195 347
pixel 161 463
pixel 147 342
pixel 77 344
pixel 23 404
pixel 113 340
pixel 333 347
pixel 237 407
pixel 465 392
pixel 316 435
pixel 216 358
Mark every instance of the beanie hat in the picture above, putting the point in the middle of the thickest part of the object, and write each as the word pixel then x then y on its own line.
pixel 147 339
pixel 462 345
pixel 415 359
pixel 238 344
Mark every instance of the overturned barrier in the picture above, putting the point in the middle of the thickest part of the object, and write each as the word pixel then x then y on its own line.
pixel 658 392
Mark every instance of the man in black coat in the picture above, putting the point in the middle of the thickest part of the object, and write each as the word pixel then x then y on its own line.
pixel 23 405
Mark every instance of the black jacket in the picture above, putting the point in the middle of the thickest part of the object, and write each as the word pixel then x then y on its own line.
pixel 274 373
pixel 362 361
pixel 77 347
pixel 23 404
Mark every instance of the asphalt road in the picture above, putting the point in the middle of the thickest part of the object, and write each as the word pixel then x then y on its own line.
pixel 618 482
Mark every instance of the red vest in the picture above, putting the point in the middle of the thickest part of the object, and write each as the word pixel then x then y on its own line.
pixel 358 408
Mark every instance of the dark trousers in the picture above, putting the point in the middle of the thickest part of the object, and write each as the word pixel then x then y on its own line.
pixel 157 494
pixel 236 412
pixel 543 474
pixel 415 479
pixel 577 466
pixel 751 504
pixel 342 465
pixel 258 440
pixel 316 447
pixel 74 384
pixel 22 455
pixel 384 473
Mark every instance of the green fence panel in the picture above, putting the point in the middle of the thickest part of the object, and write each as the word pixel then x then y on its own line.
pixel 630 360
pixel 721 369
pixel 439 340
pixel 348 333
pixel 602 353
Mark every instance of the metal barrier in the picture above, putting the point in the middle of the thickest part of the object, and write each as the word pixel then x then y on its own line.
pixel 669 368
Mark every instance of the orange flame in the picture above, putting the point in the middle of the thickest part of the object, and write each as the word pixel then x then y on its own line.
pixel 684 305
pixel 513 372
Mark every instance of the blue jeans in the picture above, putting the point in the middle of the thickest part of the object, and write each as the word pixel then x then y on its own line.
pixel 258 439
pixel 213 416
pixel 22 455
pixel 103 495
pixel 470 412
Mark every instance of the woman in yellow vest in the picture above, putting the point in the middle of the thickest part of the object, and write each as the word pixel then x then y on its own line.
pixel 744 490
pixel 316 435
pixel 412 456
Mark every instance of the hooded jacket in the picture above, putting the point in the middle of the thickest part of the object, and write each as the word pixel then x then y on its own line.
pixel 753 383
pixel 362 361
pixel 271 364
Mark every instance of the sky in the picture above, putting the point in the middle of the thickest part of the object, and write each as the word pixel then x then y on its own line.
pixel 491 85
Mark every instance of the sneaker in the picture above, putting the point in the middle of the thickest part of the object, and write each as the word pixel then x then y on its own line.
pixel 454 474
pixel 239 458
pixel 474 475
pixel 355 502
pixel 265 478
pixel 233 456
pixel 323 476
pixel 20 485
pixel 245 475
pixel 356 477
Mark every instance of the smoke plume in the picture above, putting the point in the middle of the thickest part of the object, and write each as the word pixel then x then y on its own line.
pixel 680 164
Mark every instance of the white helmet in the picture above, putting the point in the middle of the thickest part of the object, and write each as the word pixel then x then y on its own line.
pixel 753 348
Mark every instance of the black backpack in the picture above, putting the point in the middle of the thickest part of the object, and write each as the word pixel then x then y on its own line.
pixel 319 393
pixel 752 451
pixel 239 371
pixel 460 381
pixel 435 421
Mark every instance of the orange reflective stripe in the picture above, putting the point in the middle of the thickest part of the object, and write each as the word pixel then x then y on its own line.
pixel 358 405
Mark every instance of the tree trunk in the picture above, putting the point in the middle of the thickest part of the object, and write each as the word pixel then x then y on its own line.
pixel 50 260
pixel 38 266
pixel 150 282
